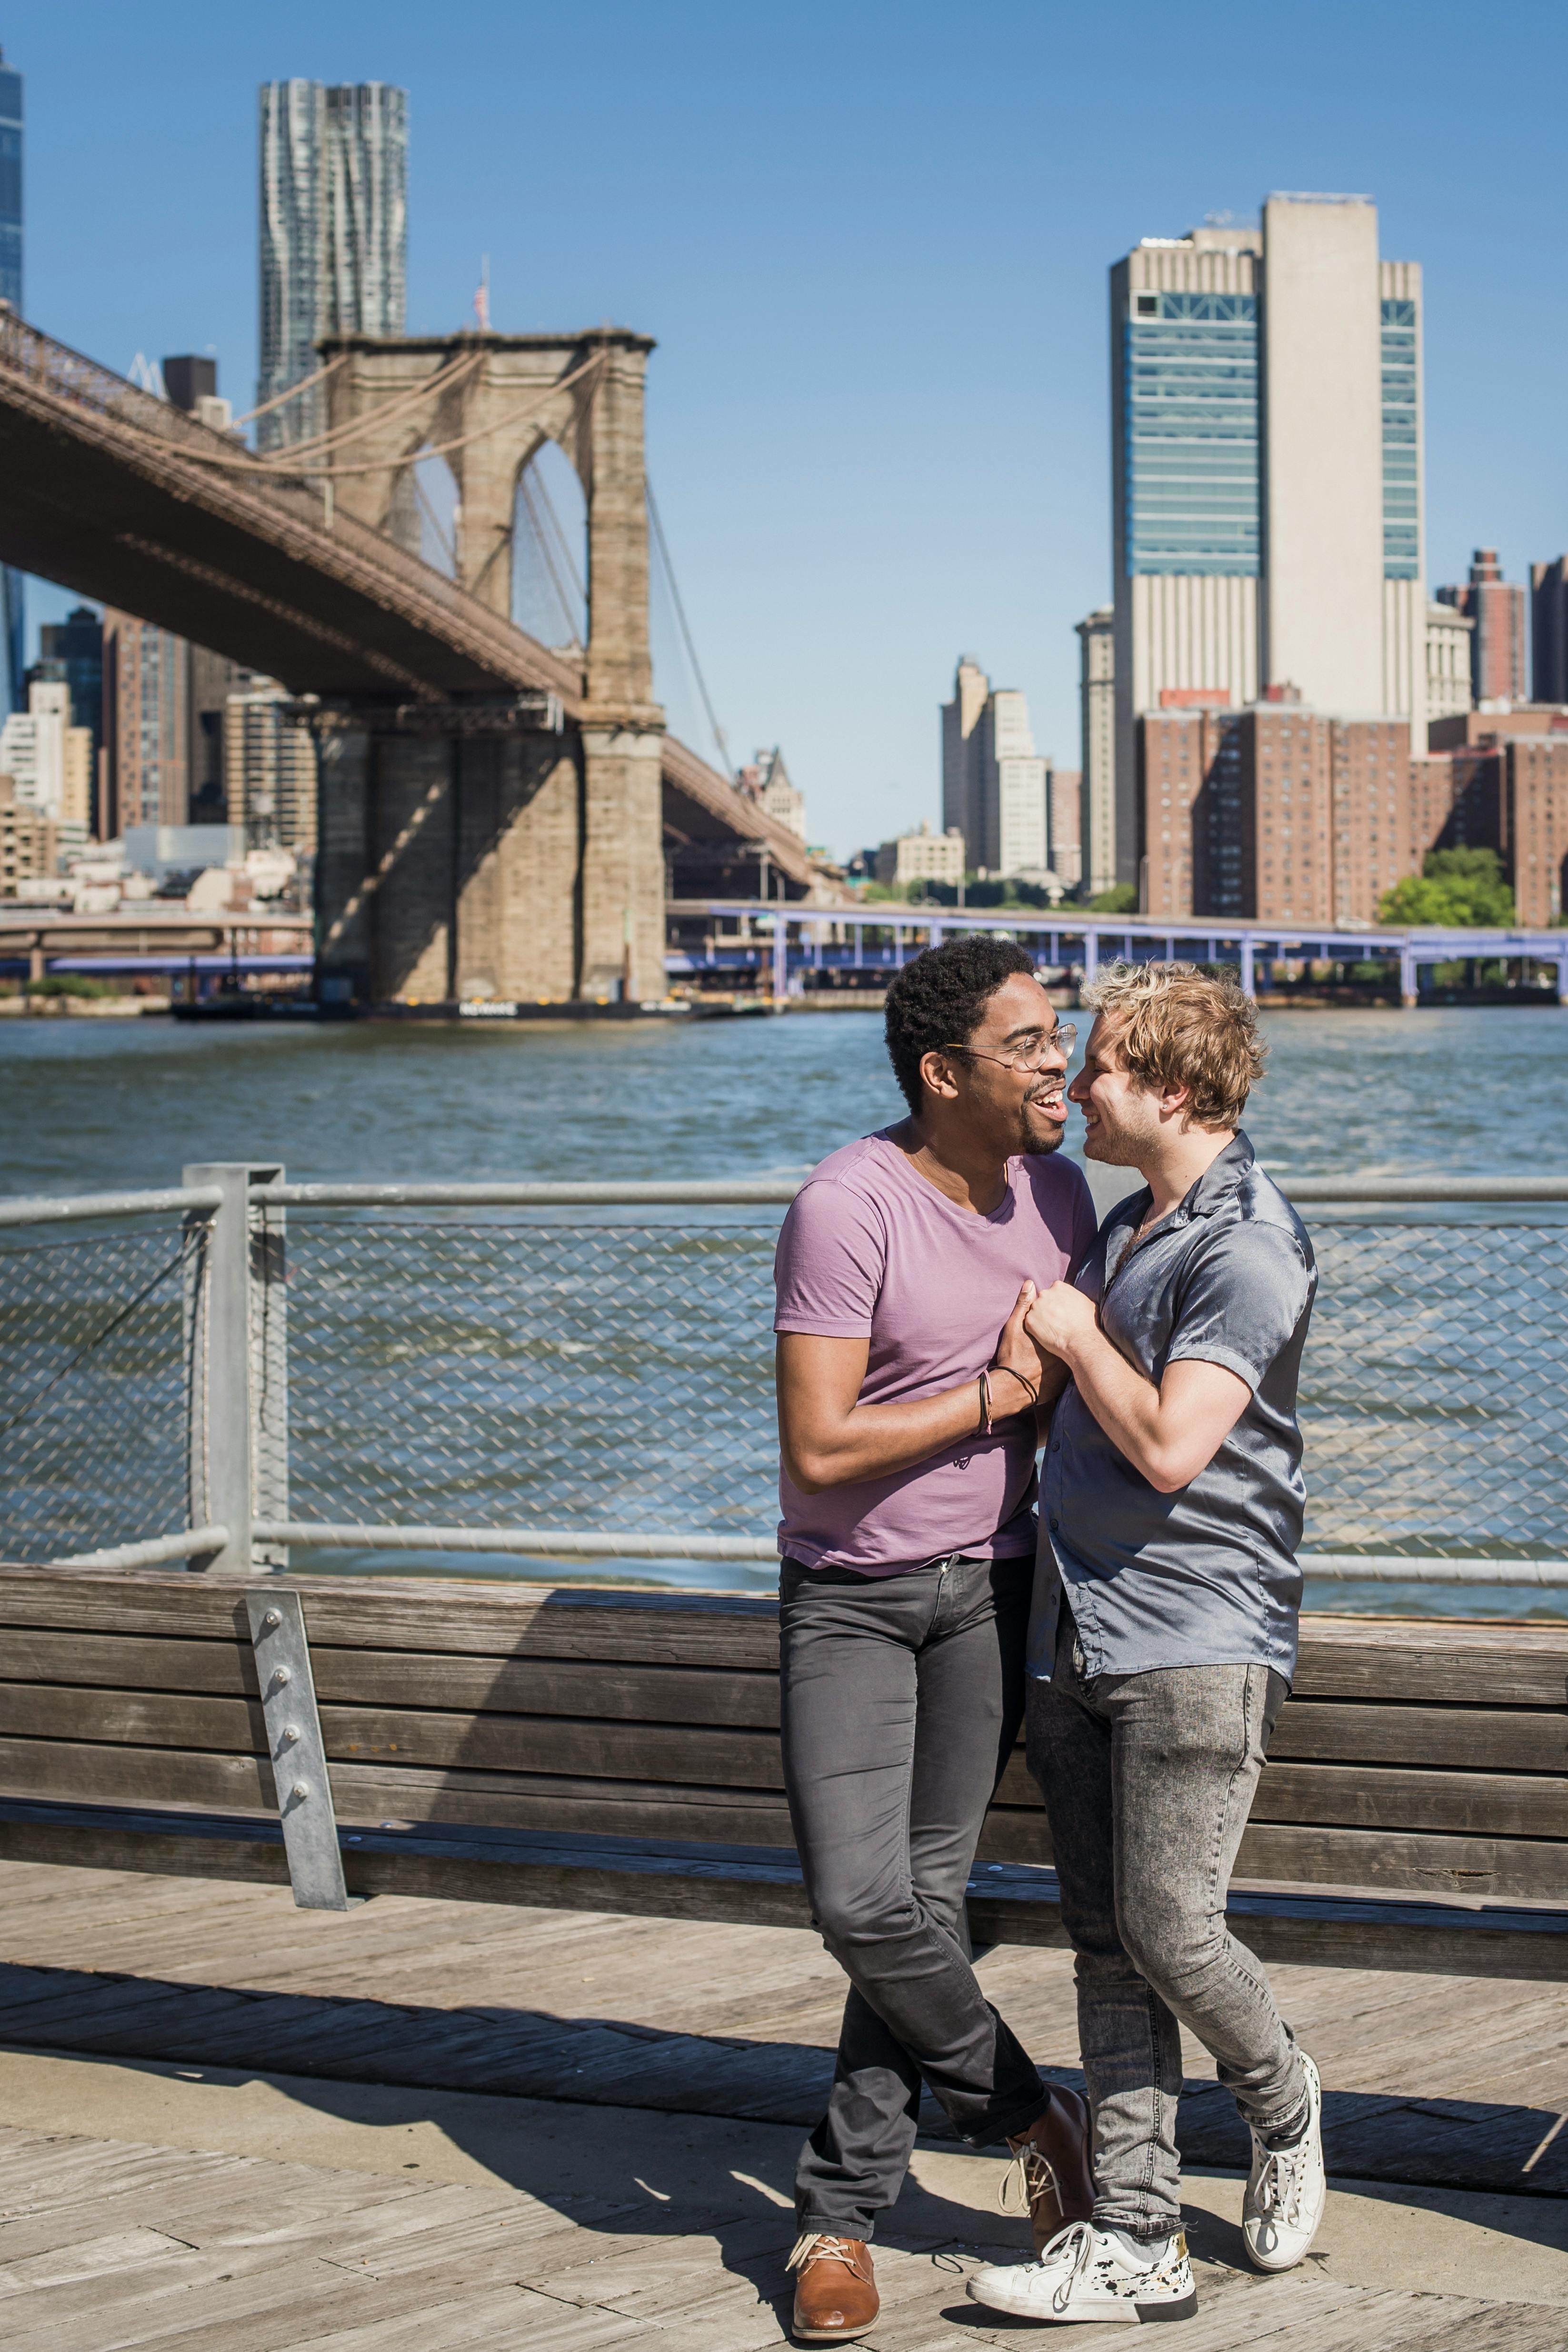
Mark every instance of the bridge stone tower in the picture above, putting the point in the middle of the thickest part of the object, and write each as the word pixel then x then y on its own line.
pixel 478 859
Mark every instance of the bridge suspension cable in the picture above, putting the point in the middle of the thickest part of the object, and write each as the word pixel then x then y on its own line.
pixel 663 545
pixel 293 392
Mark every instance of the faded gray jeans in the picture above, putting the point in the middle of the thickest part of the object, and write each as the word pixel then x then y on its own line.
pixel 1148 1781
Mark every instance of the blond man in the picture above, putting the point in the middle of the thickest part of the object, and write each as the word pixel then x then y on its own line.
pixel 1165 1635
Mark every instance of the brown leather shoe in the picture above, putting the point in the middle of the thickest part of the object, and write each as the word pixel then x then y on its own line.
pixel 1053 2166
pixel 835 2294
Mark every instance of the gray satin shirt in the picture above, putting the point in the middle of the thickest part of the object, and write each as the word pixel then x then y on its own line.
pixel 1207 1576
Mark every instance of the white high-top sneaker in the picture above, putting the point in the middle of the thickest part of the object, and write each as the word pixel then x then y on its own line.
pixel 1287 2189
pixel 1087 2274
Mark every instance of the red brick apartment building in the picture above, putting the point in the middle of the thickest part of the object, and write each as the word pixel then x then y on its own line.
pixel 1279 814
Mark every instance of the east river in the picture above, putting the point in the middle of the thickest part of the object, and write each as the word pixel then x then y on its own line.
pixel 95 1104
pixel 90 1104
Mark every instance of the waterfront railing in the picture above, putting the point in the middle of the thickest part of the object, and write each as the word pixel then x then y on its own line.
pixel 240 1372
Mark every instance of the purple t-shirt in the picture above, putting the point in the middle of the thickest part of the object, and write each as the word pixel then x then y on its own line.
pixel 872 1250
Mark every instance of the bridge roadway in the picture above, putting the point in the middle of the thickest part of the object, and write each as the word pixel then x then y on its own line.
pixel 124 497
pixel 799 939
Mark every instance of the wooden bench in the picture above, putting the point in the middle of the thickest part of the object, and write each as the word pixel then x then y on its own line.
pixel 615 1751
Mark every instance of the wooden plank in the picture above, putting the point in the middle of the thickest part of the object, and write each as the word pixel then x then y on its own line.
pixel 496 1620
pixel 1421 1658
pixel 1373 1797
pixel 139 1718
pixel 1505 1869
pixel 82 1773
pixel 78 1772
pixel 639 1694
pixel 409 1736
pixel 1526 1739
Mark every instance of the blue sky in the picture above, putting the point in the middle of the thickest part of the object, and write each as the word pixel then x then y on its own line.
pixel 872 243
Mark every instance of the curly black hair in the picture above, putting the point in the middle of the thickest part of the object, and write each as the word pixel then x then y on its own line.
pixel 940 1000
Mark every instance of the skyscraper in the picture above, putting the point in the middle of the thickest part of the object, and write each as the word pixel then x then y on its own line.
pixel 1097 727
pixel 1549 630
pixel 994 786
pixel 334 233
pixel 1265 472
pixel 12 631
pixel 1498 653
pixel 146 719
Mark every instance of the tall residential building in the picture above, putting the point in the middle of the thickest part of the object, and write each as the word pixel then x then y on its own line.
pixel 1097 726
pixel 146 719
pixel 73 648
pixel 1450 655
pixel 1497 648
pixel 1013 809
pixel 1549 630
pixel 270 773
pixel 12 626
pixel 1265 472
pixel 1277 813
pixel 211 679
pixel 1064 832
pixel 994 785
pixel 334 233
pixel 960 757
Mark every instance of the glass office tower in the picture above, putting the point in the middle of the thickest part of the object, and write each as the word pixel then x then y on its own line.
pixel 334 233
pixel 12 632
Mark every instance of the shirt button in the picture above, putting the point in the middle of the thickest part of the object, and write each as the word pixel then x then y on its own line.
pixel 1055 1525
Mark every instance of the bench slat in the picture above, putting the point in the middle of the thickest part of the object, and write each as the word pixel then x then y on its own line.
pixel 1475 1738
pixel 641 1694
pixel 1382 1659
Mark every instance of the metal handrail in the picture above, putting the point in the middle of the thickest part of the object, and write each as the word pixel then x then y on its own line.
pixel 42 1210
pixel 742 1193
pixel 761 1192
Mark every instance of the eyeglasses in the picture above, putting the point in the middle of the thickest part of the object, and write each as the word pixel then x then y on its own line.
pixel 1027 1059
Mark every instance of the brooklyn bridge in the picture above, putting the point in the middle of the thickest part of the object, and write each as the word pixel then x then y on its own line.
pixel 496 817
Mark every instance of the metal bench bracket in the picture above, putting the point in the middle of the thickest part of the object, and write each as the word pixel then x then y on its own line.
pixel 297 1750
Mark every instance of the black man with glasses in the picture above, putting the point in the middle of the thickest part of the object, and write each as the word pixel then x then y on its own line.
pixel 909 1409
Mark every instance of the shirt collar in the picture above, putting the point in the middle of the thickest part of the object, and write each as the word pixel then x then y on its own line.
pixel 1221 1180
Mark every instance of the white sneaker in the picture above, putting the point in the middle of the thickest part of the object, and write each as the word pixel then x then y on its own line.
pixel 1087 2274
pixel 1287 2189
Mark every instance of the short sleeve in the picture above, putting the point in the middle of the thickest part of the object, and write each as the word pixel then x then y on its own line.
pixel 828 1268
pixel 1241 1301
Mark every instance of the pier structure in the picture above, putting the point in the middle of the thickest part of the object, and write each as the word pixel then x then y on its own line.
pixel 793 942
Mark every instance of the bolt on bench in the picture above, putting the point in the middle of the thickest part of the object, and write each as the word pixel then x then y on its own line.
pixel 594 1750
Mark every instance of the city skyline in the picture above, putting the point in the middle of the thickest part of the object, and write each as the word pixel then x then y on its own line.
pixel 873 484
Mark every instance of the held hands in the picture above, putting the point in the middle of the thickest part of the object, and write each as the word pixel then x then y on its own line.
pixel 1055 1320
pixel 1015 1367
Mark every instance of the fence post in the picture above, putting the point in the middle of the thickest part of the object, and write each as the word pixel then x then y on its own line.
pixel 224 1390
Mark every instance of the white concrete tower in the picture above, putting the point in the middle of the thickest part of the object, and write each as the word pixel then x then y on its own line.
pixel 1322 452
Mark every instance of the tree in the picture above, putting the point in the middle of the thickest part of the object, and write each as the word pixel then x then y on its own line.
pixel 1456 890
pixel 1121 898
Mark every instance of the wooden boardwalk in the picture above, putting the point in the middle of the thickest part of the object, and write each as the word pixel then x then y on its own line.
pixel 610 2220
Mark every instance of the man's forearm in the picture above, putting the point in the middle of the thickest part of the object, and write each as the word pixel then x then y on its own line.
pixel 874 1440
pixel 1125 1405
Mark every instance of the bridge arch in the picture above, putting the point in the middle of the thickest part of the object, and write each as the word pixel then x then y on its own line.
pixel 487 402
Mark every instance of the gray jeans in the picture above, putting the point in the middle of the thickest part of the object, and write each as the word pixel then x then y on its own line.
pixel 901 1699
pixel 1148 1781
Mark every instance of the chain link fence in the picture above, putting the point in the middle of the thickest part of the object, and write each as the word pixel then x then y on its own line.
pixel 452 1370
pixel 94 1388
pixel 589 1375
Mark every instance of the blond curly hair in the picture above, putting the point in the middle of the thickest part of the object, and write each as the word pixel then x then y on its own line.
pixel 1173 1026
